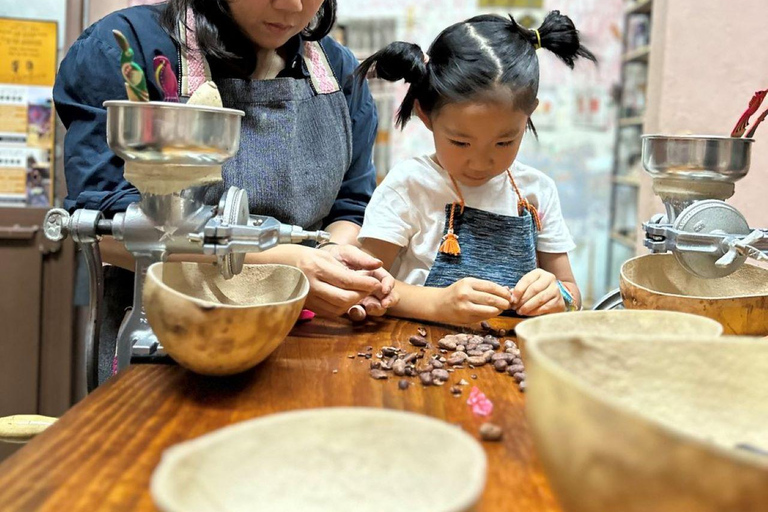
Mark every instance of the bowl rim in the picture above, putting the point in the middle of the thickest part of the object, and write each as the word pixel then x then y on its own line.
pixel 625 279
pixel 175 453
pixel 533 351
pixel 693 138
pixel 208 304
pixel 618 312
pixel 168 105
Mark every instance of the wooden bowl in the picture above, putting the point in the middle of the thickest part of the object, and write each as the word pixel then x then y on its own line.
pixel 739 301
pixel 325 460
pixel 214 326
pixel 618 323
pixel 640 425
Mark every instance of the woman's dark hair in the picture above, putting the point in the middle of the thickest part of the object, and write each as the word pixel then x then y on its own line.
pixel 474 57
pixel 219 36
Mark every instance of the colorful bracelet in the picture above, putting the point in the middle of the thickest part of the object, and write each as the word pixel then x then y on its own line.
pixel 570 302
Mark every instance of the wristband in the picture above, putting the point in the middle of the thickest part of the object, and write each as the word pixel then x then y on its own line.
pixel 570 303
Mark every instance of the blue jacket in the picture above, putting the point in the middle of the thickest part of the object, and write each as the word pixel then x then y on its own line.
pixel 90 75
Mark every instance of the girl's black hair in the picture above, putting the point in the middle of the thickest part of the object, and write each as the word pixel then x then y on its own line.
pixel 473 57
pixel 219 36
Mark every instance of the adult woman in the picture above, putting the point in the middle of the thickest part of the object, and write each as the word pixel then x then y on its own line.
pixel 306 140
pixel 307 161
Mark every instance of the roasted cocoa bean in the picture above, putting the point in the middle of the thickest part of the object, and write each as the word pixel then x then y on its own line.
pixel 461 348
pixel 491 432
pixel 515 368
pixel 517 360
pixel 410 371
pixel 488 355
pixel 500 365
pixel 389 351
pixel 475 353
pixel 426 378
pixel 502 333
pixel 519 376
pixel 502 357
pixel 379 374
pixel 522 386
pixel 471 346
pixel 398 367
pixel 457 358
pixel 440 375
pixel 437 364
pixel 417 341
pixel 476 360
pixel 425 368
pixel 447 344
pixel 411 358
pixel 484 347
pixel 402 384
pixel 485 326
pixel 510 344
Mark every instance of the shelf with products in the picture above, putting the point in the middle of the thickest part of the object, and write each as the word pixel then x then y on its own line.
pixel 637 54
pixel 639 7
pixel 364 37
pixel 641 54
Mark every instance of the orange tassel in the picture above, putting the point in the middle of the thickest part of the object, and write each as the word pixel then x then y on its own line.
pixel 450 244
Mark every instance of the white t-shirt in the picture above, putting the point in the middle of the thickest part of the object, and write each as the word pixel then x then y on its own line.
pixel 408 209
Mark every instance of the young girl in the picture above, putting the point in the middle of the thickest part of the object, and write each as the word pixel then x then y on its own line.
pixel 468 232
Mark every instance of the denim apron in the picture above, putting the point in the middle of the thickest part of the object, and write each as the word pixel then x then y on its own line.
pixel 295 148
pixel 494 247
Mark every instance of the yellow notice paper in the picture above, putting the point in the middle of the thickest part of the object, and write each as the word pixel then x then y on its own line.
pixel 28 52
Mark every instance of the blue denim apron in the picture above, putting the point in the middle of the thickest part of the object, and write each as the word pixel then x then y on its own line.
pixel 295 148
pixel 494 247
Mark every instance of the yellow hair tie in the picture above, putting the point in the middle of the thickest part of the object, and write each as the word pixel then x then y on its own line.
pixel 537 46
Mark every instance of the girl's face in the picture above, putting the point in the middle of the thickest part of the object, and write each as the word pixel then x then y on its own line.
pixel 272 23
pixel 476 141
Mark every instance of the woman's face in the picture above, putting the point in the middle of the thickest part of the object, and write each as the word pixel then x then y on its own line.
pixel 271 23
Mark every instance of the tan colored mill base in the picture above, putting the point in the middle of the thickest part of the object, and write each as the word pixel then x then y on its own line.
pixel 739 301
pixel 641 425
pixel 618 323
pixel 325 460
pixel 215 326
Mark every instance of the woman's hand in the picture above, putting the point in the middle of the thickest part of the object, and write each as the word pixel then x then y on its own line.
pixel 537 294
pixel 471 300
pixel 337 280
pixel 352 257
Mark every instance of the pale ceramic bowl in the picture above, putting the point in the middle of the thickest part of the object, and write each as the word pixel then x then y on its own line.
pixel 651 425
pixel 618 323
pixel 214 326
pixel 738 301
pixel 325 460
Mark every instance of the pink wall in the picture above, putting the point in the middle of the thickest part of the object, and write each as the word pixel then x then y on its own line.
pixel 708 58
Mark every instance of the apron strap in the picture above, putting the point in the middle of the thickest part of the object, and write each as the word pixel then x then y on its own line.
pixel 523 204
pixel 193 70
pixel 322 77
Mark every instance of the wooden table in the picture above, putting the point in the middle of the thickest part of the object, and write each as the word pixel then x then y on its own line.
pixel 101 454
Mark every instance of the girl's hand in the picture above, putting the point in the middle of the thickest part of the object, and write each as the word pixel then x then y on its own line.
pixel 334 285
pixel 537 294
pixel 471 300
